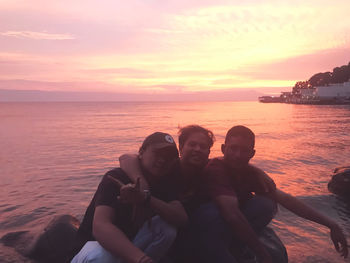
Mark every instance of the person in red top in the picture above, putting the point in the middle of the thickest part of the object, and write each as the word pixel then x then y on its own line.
pixel 241 201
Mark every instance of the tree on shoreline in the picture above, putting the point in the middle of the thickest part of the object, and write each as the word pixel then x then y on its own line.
pixel 338 75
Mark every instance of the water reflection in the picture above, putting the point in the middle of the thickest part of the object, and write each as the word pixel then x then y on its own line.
pixel 54 154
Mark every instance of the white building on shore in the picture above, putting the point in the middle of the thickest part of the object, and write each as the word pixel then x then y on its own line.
pixel 307 93
pixel 333 91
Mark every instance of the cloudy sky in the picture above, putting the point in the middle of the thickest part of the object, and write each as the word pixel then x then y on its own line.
pixel 169 46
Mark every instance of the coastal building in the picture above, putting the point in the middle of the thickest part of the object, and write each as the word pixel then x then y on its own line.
pixel 332 91
pixel 331 94
pixel 286 94
pixel 306 94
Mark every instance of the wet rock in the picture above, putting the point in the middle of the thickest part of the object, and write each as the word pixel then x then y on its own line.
pixel 340 182
pixel 9 255
pixel 55 241
pixel 274 245
pixel 51 244
pixel 15 239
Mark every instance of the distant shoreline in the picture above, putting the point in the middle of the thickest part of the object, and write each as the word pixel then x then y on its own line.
pixel 241 94
pixel 332 94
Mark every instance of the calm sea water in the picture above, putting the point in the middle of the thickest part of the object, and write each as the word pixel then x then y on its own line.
pixel 52 157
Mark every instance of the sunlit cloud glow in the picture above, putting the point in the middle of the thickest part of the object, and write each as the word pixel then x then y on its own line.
pixel 36 35
pixel 173 46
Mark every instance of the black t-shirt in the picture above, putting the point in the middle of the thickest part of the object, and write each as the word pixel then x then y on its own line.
pixel 191 188
pixel 107 193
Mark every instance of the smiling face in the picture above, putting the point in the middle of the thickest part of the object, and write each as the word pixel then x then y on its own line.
pixel 158 161
pixel 195 150
pixel 237 151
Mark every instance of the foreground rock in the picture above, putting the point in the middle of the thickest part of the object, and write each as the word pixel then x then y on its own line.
pixel 274 245
pixel 340 182
pixel 51 244
pixel 55 242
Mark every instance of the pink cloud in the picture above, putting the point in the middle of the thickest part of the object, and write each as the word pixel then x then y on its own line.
pixel 36 35
pixel 193 43
pixel 122 72
pixel 299 67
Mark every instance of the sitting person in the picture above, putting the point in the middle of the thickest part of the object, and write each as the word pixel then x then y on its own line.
pixel 231 187
pixel 126 224
pixel 194 145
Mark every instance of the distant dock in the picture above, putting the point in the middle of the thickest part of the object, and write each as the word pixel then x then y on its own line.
pixel 270 99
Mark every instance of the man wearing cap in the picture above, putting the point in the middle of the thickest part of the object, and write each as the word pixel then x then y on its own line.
pixel 126 224
pixel 195 143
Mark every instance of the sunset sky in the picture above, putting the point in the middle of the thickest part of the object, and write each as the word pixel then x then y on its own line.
pixel 169 46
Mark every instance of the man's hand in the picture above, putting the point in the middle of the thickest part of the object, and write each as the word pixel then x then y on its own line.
pixel 265 181
pixel 268 185
pixel 339 240
pixel 130 193
pixel 145 259
pixel 267 260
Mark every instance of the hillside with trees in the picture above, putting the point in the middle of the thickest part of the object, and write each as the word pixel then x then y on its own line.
pixel 338 75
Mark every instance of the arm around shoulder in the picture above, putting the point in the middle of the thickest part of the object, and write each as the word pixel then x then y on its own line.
pixel 130 164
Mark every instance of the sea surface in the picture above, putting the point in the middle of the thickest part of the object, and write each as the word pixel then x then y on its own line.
pixel 53 155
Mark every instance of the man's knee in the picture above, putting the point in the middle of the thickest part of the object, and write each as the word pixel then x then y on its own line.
pixel 208 226
pixel 207 215
pixel 93 252
pixel 166 233
pixel 266 204
pixel 259 211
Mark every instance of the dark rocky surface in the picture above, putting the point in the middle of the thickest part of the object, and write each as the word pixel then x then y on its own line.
pixel 54 243
pixel 340 182
pixel 51 244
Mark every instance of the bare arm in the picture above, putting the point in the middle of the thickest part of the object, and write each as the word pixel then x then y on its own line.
pixel 131 166
pixel 303 210
pixel 113 239
pixel 173 212
pixel 228 206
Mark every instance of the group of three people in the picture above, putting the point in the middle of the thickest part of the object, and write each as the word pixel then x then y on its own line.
pixel 158 206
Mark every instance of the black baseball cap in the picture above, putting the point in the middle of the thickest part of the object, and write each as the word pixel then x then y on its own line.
pixel 160 140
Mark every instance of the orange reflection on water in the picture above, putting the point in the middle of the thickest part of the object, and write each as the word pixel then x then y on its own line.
pixel 280 131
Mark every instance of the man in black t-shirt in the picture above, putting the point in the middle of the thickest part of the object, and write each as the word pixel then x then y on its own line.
pixel 194 146
pixel 126 224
